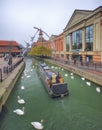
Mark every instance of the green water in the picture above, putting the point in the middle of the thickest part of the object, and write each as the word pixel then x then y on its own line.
pixel 81 110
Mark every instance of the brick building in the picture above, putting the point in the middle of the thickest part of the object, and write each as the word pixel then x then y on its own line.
pixel 9 47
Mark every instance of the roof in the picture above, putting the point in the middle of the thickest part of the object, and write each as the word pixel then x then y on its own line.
pixel 8 43
pixel 80 16
pixel 77 16
pixel 46 68
pixel 7 50
pixel 43 65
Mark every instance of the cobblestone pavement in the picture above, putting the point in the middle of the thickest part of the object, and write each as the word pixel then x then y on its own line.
pixel 4 63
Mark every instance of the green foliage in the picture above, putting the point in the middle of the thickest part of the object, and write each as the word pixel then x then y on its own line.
pixel 40 51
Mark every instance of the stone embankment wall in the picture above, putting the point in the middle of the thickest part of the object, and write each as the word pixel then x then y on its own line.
pixel 8 84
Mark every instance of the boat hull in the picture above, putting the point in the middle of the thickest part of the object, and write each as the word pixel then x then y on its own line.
pixel 55 90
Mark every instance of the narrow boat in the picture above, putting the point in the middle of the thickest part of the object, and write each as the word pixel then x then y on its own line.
pixel 54 89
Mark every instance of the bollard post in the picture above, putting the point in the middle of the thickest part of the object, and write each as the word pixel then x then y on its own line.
pixel 0 75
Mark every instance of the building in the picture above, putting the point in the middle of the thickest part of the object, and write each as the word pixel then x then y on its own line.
pixel 9 47
pixel 83 36
pixel 41 41
pixel 56 43
pixel 80 40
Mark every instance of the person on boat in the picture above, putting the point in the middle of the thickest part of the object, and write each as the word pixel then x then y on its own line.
pixel 53 78
pixel 61 79
pixel 48 81
pixel 57 77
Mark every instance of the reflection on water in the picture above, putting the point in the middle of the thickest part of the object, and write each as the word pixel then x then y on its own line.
pixel 81 110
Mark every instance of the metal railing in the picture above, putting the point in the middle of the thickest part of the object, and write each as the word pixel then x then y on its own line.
pixel 83 65
pixel 7 69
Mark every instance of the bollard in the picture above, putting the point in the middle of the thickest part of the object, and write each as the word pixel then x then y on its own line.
pixel 0 75
pixel 5 69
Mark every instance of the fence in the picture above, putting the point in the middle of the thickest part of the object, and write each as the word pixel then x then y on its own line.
pixel 7 69
pixel 83 65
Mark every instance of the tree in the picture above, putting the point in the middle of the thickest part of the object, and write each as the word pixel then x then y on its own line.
pixel 40 51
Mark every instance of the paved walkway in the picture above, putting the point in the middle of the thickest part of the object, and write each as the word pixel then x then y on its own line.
pixel 4 63
pixel 7 84
pixel 99 73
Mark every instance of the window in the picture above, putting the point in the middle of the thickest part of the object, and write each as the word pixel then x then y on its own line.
pixel 77 40
pixel 62 56
pixel 89 38
pixel 67 42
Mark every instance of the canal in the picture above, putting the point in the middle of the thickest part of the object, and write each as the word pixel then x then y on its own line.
pixel 81 110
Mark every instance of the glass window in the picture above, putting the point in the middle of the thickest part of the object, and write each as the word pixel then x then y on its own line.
pixel 67 42
pixel 89 38
pixel 62 55
pixel 77 40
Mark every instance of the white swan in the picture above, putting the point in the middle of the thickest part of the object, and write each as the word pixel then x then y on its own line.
pixel 19 111
pixel 83 78
pixel 88 83
pixel 72 77
pixel 31 70
pixel 66 75
pixel 20 101
pixel 22 87
pixel 38 125
pixel 52 67
pixel 62 69
pixel 28 76
pixel 98 89
pixel 56 67
pixel 71 73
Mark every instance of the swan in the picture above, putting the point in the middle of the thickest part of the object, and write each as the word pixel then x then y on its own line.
pixel 22 87
pixel 62 69
pixel 83 78
pixel 72 77
pixel 98 89
pixel 56 68
pixel 66 75
pixel 28 76
pixel 19 111
pixel 71 73
pixel 52 67
pixel 31 70
pixel 88 83
pixel 20 101
pixel 38 125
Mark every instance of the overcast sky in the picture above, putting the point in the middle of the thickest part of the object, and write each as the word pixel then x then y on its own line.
pixel 18 17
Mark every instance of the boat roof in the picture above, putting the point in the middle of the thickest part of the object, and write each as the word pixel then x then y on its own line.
pixel 50 73
pixel 46 68
pixel 43 65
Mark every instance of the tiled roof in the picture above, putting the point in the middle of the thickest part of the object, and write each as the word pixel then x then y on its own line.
pixel 8 43
pixel 7 49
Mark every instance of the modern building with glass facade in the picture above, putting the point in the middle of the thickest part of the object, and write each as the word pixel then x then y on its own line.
pixel 83 36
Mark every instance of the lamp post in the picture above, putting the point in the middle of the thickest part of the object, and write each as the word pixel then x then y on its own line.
pixel 10 56
pixel 0 75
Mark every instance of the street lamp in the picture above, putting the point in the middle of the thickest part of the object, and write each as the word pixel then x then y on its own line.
pixel 0 75
pixel 10 56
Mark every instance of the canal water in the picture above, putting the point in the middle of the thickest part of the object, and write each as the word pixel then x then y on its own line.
pixel 81 110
